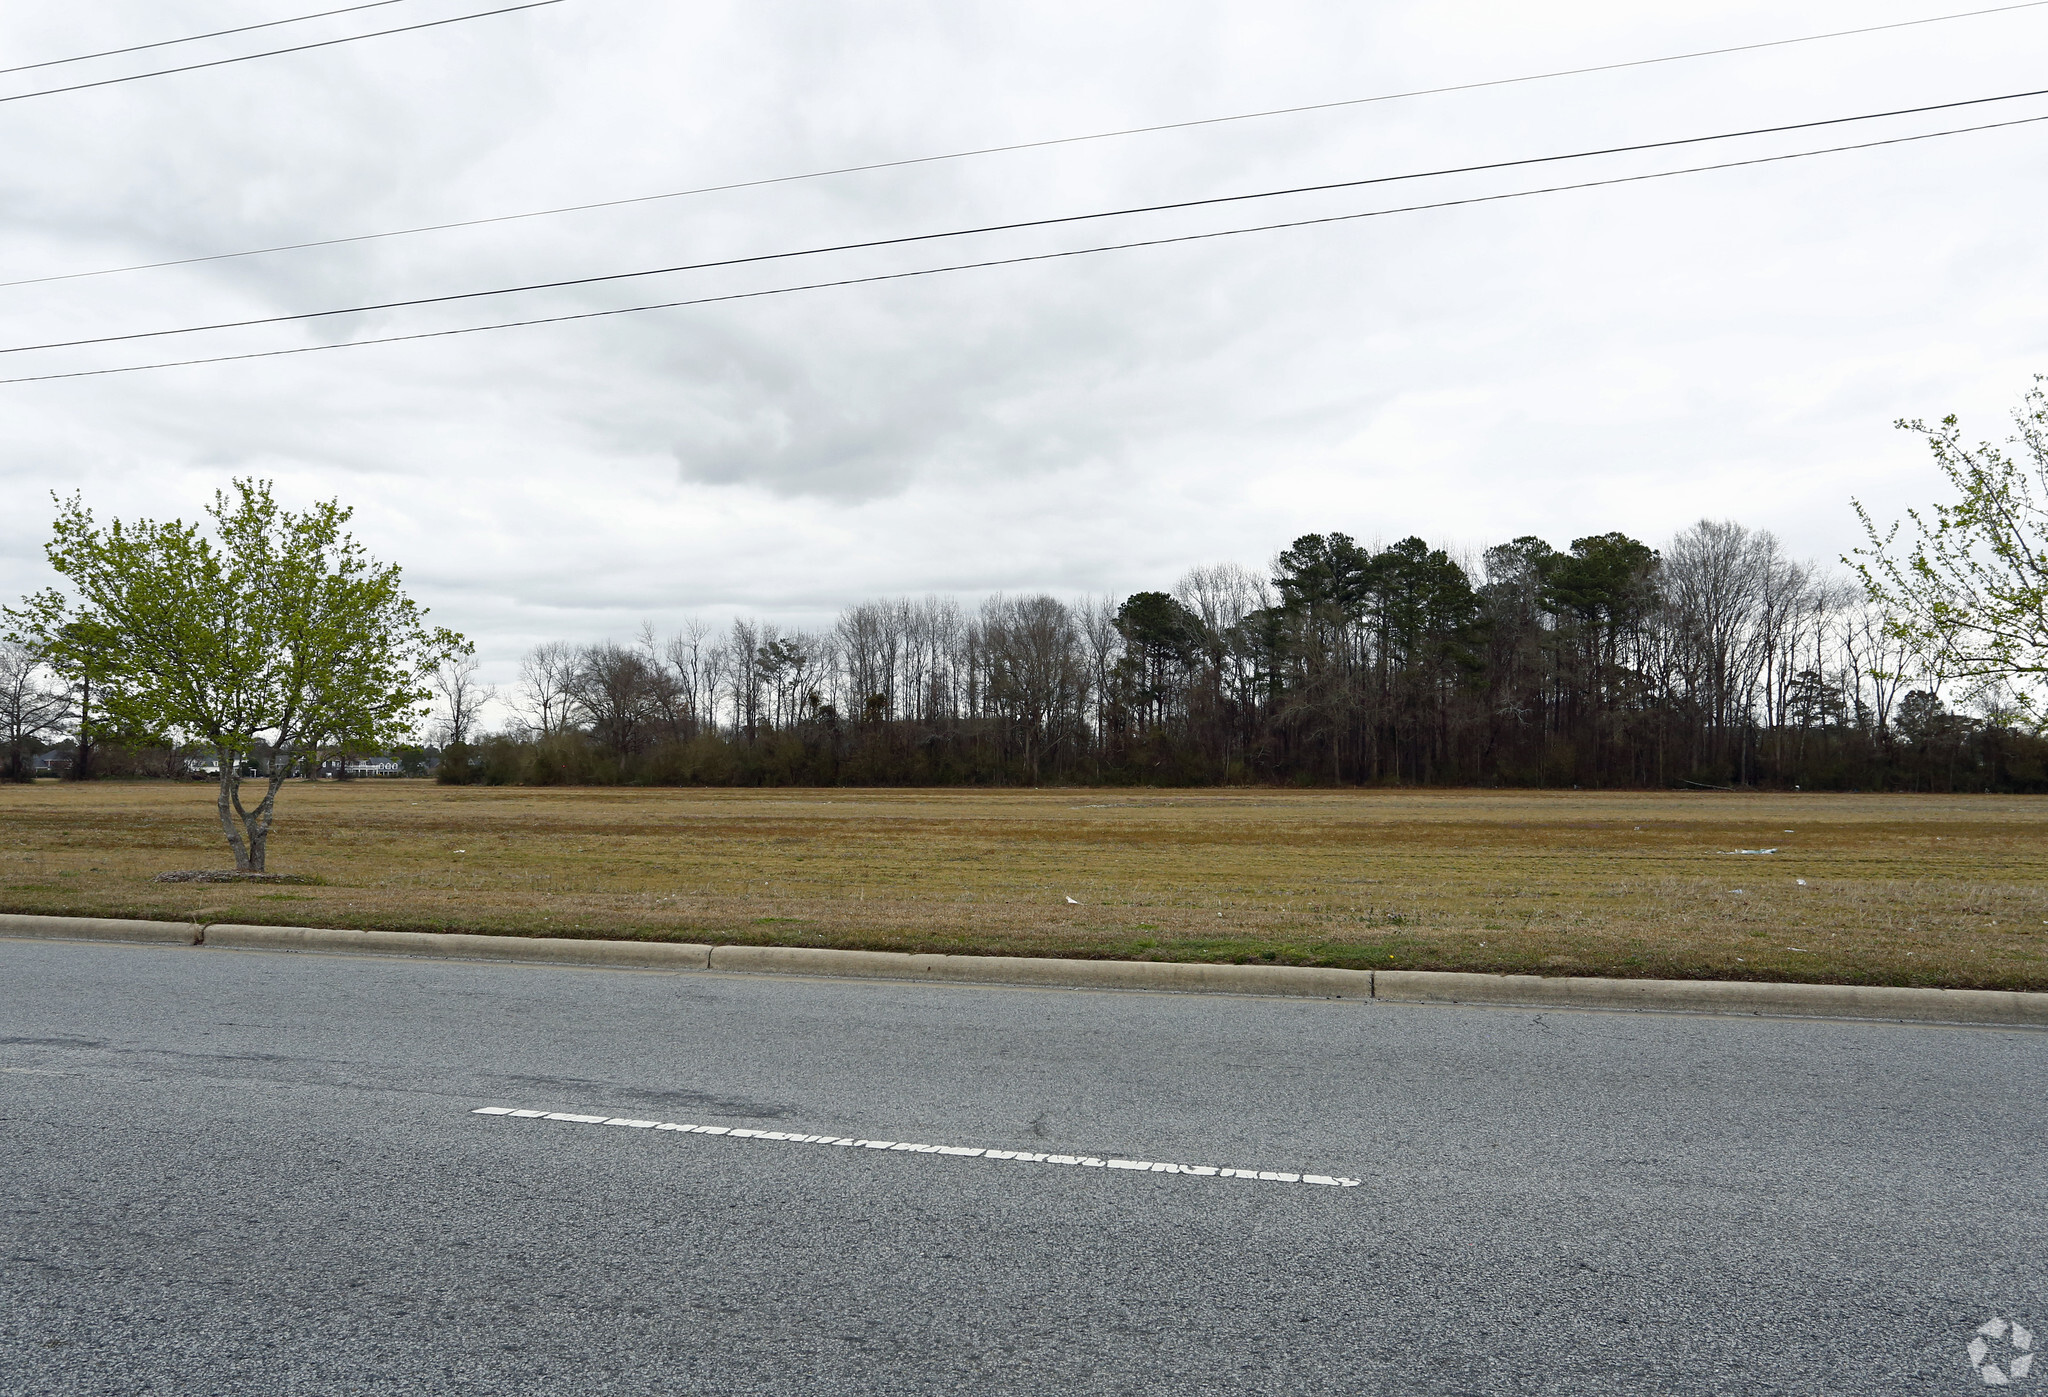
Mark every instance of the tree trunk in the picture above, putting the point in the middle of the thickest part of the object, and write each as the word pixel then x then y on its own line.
pixel 251 839
pixel 81 764
pixel 229 804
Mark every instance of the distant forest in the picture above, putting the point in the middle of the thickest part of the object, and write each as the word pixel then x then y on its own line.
pixel 1717 661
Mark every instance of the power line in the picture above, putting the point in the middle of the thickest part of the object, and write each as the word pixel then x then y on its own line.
pixel 195 38
pixel 1026 258
pixel 272 53
pixel 1010 227
pixel 1018 146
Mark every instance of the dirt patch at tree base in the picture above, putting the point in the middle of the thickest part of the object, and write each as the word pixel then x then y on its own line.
pixel 229 875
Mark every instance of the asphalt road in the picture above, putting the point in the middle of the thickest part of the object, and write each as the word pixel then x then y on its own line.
pixel 242 1172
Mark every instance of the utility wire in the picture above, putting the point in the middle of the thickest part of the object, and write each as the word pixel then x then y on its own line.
pixel 1019 146
pixel 1014 226
pixel 272 53
pixel 1022 260
pixel 195 38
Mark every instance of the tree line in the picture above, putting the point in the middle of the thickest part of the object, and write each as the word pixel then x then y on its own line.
pixel 273 642
pixel 1716 660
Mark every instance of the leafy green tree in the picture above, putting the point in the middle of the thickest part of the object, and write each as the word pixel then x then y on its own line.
pixel 278 632
pixel 1969 591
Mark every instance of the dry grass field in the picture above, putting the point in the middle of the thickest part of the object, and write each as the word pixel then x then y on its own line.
pixel 1932 890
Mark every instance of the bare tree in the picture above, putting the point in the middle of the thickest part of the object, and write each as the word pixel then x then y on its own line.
pixel 692 660
pixel 1102 642
pixel 547 683
pixel 743 676
pixel 870 637
pixel 463 697
pixel 1036 673
pixel 1719 588
pixel 31 705
pixel 1877 657
pixel 1226 597
pixel 668 692
pixel 719 681
pixel 934 659
pixel 618 688
pixel 1223 594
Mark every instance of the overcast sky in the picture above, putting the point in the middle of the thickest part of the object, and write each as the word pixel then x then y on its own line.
pixel 1732 344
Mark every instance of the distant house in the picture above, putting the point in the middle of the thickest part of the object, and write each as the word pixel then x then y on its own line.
pixel 379 765
pixel 57 763
pixel 202 768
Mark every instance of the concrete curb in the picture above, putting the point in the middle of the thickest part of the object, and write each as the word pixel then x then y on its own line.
pixel 2012 1008
pixel 1027 970
pixel 99 929
pixel 647 955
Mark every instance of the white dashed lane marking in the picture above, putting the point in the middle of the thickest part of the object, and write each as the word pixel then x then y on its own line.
pixel 1082 1161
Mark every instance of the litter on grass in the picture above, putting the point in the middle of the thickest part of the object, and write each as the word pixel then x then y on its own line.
pixel 1752 851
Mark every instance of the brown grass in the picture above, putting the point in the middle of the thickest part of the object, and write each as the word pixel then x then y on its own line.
pixel 1932 890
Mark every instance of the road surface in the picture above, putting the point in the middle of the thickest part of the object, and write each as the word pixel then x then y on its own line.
pixel 246 1172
